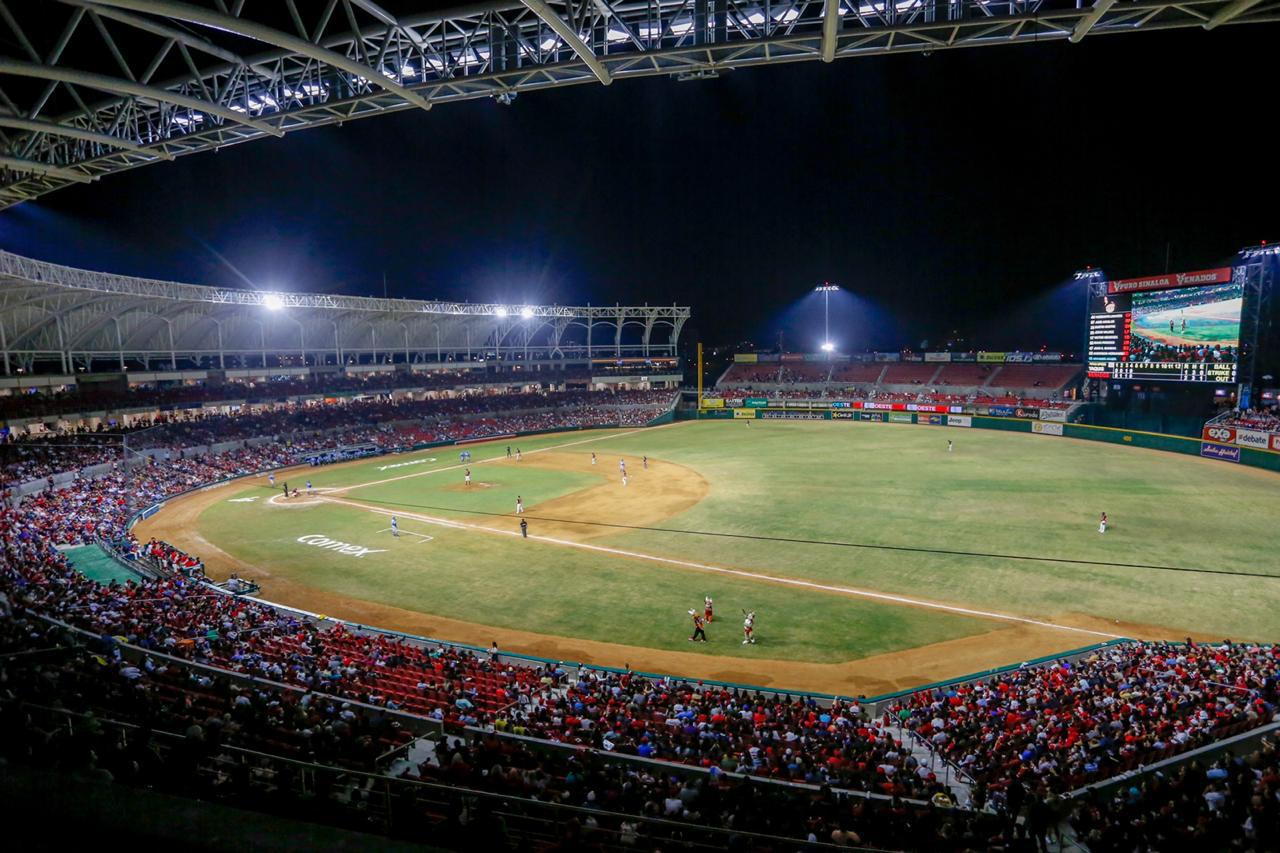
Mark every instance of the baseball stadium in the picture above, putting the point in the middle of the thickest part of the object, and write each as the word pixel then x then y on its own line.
pixel 294 566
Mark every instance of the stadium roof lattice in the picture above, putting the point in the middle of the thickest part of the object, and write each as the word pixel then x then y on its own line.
pixel 101 86
pixel 74 317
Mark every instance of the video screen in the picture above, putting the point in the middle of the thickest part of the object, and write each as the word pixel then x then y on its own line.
pixel 1158 328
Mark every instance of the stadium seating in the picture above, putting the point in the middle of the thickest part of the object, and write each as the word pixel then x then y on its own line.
pixel 908 373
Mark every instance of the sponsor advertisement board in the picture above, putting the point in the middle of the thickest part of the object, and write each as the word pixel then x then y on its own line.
pixel 1177 279
pixel 913 356
pixel 1019 357
pixel 1046 428
pixel 1047 356
pixel 991 357
pixel 930 420
pixel 937 356
pixel 1000 411
pixel 964 356
pixel 756 402
pixel 744 413
pixel 959 420
pixel 1059 415
pixel 1218 451
pixel 888 356
pixel 745 358
pixel 734 402
pixel 844 416
pixel 713 403
pixel 1252 438
pixel 1275 442
pixel 869 404
pixel 841 404
pixel 873 416
pixel 901 418
pixel 788 357
pixel 1227 435
pixel 926 407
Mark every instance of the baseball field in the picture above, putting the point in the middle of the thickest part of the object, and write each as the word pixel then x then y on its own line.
pixel 874 558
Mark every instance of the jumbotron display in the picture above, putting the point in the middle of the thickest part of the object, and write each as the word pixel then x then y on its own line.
pixel 1180 327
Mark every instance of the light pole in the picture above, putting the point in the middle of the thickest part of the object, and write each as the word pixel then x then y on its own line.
pixel 825 289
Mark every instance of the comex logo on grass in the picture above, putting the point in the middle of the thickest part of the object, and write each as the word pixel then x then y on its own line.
pixel 340 547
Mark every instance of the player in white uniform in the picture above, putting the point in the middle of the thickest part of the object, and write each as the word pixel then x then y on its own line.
pixel 519 506
pixel 466 477
pixel 748 627
pixel 395 527
pixel 1102 523
pixel 517 454
pixel 593 459
pixel 949 445
pixel 624 479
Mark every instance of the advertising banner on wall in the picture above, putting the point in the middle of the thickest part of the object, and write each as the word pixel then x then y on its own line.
pixel 1019 357
pixel 1177 279
pixel 964 356
pixel 937 356
pixel 1227 435
pixel 1059 415
pixel 871 404
pixel 1000 411
pixel 844 416
pixel 1275 442
pixel 991 357
pixel 1044 428
pixel 713 403
pixel 929 420
pixel 1047 356
pixel 756 402
pixel 1252 438
pixel 840 404
pixel 901 418
pixel 1217 451
pixel 873 416
pixel 744 413
pixel 792 356
pixel 745 357
pixel 888 356
pixel 959 421
pixel 734 403
pixel 913 356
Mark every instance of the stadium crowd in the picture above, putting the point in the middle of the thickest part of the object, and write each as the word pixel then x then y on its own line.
pixel 1063 725
pixel 304 428
pixel 1267 420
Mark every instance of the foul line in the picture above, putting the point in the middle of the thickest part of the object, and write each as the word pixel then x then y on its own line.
pixel 756 576
pixel 341 489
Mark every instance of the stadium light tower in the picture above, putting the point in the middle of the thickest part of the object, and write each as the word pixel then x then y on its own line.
pixel 526 312
pixel 272 302
pixel 826 288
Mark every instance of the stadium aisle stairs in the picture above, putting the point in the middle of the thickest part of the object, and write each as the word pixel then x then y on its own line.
pixel 928 758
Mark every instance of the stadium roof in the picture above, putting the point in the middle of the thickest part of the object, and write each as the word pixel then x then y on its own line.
pixel 73 316
pixel 93 87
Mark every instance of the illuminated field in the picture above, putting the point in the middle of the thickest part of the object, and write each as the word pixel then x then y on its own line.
pixel 873 556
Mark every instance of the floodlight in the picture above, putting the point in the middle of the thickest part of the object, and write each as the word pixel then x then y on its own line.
pixel 500 311
pixel 526 312
pixel 272 302
pixel 827 346
pixel 826 288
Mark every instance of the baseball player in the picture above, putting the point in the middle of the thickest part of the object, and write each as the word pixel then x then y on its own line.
pixel 524 528
pixel 517 454
pixel 310 490
pixel 395 527
pixel 748 627
pixel 1102 523
pixel 644 462
pixel 466 477
pixel 271 478
pixel 699 635
pixel 949 445
pixel 707 608
pixel 622 466
pixel 519 505
pixel 624 479
pixel 593 459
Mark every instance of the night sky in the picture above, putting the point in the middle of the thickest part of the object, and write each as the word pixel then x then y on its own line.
pixel 950 194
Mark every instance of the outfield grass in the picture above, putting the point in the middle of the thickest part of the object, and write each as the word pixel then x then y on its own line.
pixel 869 484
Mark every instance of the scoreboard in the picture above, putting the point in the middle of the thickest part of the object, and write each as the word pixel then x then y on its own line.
pixel 1182 327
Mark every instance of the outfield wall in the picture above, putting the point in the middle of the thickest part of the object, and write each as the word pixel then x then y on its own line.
pixel 1256 458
